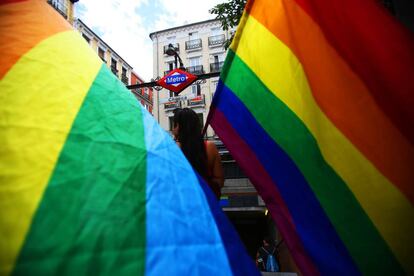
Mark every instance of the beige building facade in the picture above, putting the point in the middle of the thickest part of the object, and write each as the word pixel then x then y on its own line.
pixel 200 47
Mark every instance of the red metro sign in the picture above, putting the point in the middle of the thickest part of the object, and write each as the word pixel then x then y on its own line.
pixel 177 80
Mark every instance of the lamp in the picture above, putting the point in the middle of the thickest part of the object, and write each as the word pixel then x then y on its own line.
pixel 171 51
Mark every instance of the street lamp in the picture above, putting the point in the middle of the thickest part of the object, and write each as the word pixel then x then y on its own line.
pixel 171 51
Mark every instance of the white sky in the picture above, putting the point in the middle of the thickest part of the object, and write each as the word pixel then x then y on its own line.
pixel 125 25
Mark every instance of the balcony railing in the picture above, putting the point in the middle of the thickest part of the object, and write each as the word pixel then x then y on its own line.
pixel 172 105
pixel 114 70
pixel 193 44
pixel 146 96
pixel 216 40
pixel 196 70
pixel 125 79
pixel 197 101
pixel 60 6
pixel 216 66
pixel 141 95
pixel 176 46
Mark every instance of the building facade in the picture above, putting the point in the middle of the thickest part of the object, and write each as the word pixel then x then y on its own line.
pixel 118 65
pixel 143 95
pixel 200 47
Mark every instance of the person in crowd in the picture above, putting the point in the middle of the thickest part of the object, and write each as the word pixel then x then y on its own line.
pixel 267 255
pixel 202 155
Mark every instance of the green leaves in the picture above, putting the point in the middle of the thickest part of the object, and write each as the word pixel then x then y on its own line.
pixel 229 14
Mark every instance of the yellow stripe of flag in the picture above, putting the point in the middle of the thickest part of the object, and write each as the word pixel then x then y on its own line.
pixel 54 76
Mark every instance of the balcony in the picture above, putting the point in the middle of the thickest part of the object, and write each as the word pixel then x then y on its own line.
pixel 114 70
pixel 125 79
pixel 197 101
pixel 196 70
pixel 216 66
pixel 60 6
pixel 176 46
pixel 172 105
pixel 194 44
pixel 216 40
pixel 141 95
pixel 146 96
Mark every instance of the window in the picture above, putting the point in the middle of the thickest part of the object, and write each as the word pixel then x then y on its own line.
pixel 101 54
pixel 113 63
pixel 195 61
pixel 169 67
pixel 172 94
pixel 195 66
pixel 200 117
pixel 171 122
pixel 60 6
pixel 215 31
pixel 171 39
pixel 86 38
pixel 196 89
pixel 216 59
pixel 193 35
pixel 113 66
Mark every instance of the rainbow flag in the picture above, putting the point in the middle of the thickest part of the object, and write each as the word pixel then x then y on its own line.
pixel 315 103
pixel 89 183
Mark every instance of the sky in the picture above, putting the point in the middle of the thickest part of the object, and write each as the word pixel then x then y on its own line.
pixel 125 25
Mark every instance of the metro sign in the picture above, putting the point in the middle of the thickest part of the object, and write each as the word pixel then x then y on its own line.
pixel 177 80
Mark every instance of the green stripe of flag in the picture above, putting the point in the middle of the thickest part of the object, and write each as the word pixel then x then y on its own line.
pixel 91 219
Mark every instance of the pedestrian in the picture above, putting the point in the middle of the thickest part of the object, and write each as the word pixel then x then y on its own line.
pixel 266 257
pixel 202 155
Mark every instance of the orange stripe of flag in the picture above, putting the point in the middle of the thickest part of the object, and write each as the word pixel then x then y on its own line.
pixel 28 25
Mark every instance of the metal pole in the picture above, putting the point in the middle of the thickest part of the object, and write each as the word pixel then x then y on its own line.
pixel 157 92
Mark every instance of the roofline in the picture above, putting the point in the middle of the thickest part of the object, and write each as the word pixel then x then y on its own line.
pixel 89 29
pixel 183 26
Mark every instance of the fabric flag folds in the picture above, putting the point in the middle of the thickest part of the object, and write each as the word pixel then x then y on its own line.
pixel 315 104
pixel 89 183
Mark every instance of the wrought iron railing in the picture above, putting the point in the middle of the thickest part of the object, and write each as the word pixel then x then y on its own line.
pixel 216 66
pixel 193 44
pixel 196 70
pixel 125 79
pixel 216 40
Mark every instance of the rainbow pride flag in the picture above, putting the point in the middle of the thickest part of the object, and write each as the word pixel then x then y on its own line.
pixel 315 103
pixel 89 183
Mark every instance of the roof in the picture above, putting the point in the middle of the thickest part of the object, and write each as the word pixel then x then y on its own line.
pixel 183 26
